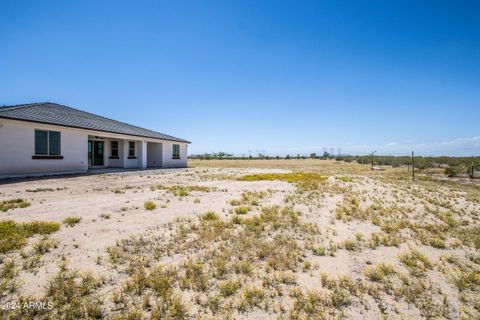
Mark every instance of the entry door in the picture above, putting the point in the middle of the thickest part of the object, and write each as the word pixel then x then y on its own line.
pixel 96 151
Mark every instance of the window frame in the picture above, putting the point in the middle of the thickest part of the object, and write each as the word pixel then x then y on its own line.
pixel 130 154
pixel 114 155
pixel 175 153
pixel 48 154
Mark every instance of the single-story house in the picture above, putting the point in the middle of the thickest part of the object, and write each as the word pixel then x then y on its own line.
pixel 49 138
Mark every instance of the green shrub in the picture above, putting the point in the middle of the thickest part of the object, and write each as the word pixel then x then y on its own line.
pixel 351 245
pixel 44 245
pixel 13 235
pixel 235 202
pixel 453 171
pixel 195 276
pixel 180 190
pixel 242 210
pixel 380 272
pixel 304 180
pixel 71 221
pixel 209 216
pixel 12 204
pixel 252 297
pixel 471 168
pixel 229 287
pixel 73 295
pixel 437 243
pixel 149 205
pixel 243 267
pixel 416 262
pixel 466 279
pixel 40 227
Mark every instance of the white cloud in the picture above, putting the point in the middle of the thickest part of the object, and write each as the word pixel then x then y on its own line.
pixel 457 146
pixel 462 141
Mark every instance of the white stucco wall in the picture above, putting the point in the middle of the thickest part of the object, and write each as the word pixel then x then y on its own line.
pixel 154 154
pixel 130 163
pixel 115 163
pixel 168 162
pixel 17 146
pixel 142 154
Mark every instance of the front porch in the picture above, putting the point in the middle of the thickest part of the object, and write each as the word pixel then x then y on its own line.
pixel 123 171
pixel 107 152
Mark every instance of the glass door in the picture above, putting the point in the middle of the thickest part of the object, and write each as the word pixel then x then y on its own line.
pixel 98 153
pixel 90 153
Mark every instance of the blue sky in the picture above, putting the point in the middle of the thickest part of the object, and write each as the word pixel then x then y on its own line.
pixel 276 76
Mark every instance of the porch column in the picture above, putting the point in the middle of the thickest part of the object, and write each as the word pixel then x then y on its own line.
pixel 143 154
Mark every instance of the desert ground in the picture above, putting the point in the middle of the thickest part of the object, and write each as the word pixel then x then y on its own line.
pixel 224 239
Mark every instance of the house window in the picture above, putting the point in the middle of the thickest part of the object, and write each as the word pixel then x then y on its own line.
pixel 131 149
pixel 47 143
pixel 176 151
pixel 114 149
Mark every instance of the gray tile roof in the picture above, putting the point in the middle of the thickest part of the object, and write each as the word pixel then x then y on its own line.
pixel 57 114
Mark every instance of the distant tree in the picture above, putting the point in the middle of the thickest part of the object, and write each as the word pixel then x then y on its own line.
pixel 287 157
pixel 313 155
pixel 326 154
pixel 452 171
pixel 423 163
pixel 471 168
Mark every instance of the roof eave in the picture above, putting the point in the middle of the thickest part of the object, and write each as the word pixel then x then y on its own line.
pixel 82 128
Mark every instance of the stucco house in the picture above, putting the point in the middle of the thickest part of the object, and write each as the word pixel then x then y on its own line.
pixel 49 138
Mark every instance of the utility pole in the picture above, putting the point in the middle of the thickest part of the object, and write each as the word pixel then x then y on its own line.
pixel 472 170
pixel 373 153
pixel 413 166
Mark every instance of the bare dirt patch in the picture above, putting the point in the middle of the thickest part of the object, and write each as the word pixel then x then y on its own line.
pixel 287 239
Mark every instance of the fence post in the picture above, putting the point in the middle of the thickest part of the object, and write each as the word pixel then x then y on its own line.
pixel 413 166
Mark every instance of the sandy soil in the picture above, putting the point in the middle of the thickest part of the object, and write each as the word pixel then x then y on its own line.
pixel 111 207
pixel 90 196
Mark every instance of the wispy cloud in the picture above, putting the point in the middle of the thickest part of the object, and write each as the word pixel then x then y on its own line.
pixel 465 146
pixel 474 140
pixel 458 146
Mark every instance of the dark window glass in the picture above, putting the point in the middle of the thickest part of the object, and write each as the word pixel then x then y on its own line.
pixel 54 143
pixel 90 153
pixel 114 148
pixel 41 142
pixel 176 151
pixel 47 143
pixel 131 149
